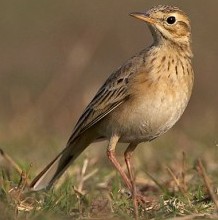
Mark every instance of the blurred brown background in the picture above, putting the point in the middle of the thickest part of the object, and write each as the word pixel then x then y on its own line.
pixel 56 54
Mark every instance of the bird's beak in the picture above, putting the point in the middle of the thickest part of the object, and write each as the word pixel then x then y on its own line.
pixel 143 16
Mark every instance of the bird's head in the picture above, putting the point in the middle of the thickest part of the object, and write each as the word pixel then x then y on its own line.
pixel 167 22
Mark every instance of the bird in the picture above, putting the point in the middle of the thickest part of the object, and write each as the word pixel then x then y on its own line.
pixel 140 100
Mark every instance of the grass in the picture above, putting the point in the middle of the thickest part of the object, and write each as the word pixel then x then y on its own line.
pixel 186 192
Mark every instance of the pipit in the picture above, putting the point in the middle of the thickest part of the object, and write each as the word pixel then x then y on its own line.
pixel 140 101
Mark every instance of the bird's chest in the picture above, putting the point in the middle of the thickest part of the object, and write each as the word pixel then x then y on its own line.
pixel 154 109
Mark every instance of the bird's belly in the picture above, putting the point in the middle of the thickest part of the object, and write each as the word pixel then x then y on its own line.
pixel 147 125
pixel 146 118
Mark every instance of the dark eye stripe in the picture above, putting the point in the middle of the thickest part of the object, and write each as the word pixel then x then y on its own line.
pixel 185 26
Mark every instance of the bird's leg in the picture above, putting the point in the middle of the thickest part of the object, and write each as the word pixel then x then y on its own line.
pixel 111 156
pixel 127 155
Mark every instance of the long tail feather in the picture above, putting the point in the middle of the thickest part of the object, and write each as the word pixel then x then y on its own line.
pixel 56 168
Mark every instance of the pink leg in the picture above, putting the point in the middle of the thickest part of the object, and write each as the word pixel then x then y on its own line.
pixel 127 155
pixel 111 156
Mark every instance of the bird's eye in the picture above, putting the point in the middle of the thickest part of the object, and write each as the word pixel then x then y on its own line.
pixel 171 20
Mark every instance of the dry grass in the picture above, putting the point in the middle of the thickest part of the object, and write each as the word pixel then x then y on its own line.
pixel 186 193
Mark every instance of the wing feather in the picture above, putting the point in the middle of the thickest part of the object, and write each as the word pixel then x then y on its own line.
pixel 112 94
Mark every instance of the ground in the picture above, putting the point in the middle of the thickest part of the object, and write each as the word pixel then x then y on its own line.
pixel 174 185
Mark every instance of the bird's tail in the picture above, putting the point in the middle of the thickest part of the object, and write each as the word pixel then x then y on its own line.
pixel 56 168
